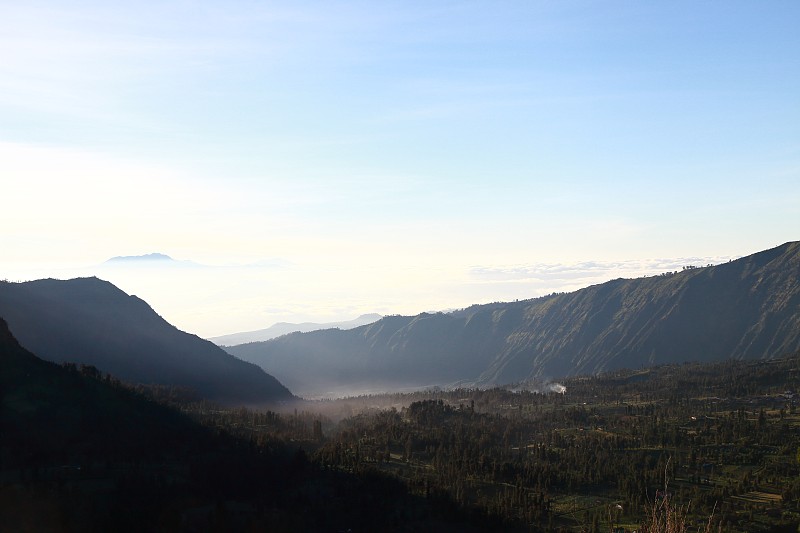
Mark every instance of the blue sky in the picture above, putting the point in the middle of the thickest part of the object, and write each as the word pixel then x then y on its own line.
pixel 391 157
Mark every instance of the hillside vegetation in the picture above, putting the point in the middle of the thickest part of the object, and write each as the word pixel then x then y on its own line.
pixel 674 448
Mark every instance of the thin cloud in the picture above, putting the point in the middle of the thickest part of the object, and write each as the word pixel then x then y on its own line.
pixel 564 272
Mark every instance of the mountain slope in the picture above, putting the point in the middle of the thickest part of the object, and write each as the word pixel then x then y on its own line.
pixel 748 308
pixel 91 321
pixel 282 328
pixel 70 442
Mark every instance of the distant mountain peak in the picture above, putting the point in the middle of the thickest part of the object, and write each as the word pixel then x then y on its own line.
pixel 283 328
pixel 145 257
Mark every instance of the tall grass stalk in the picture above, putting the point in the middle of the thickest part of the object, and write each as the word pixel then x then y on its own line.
pixel 663 516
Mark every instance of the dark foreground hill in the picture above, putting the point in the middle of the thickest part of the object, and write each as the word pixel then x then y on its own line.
pixel 92 322
pixel 57 424
pixel 57 415
pixel 744 309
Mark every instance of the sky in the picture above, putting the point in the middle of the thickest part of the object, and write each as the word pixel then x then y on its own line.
pixel 320 160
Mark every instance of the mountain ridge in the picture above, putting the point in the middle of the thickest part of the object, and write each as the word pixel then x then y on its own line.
pixel 91 321
pixel 746 308
pixel 145 257
pixel 283 328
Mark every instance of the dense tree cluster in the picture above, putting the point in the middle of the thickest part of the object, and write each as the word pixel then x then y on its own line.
pixel 723 437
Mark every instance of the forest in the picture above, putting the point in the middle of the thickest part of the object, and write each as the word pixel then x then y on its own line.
pixel 719 441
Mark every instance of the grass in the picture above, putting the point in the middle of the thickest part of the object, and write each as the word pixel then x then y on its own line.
pixel 663 516
pixel 760 497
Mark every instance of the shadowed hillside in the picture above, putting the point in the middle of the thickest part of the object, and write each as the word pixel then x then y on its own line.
pixel 92 322
pixel 58 424
pixel 55 415
pixel 748 308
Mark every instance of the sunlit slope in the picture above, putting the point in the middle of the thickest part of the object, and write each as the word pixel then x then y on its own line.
pixel 91 321
pixel 748 308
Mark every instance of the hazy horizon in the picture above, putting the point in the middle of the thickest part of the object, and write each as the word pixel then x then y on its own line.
pixel 317 161
pixel 175 289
